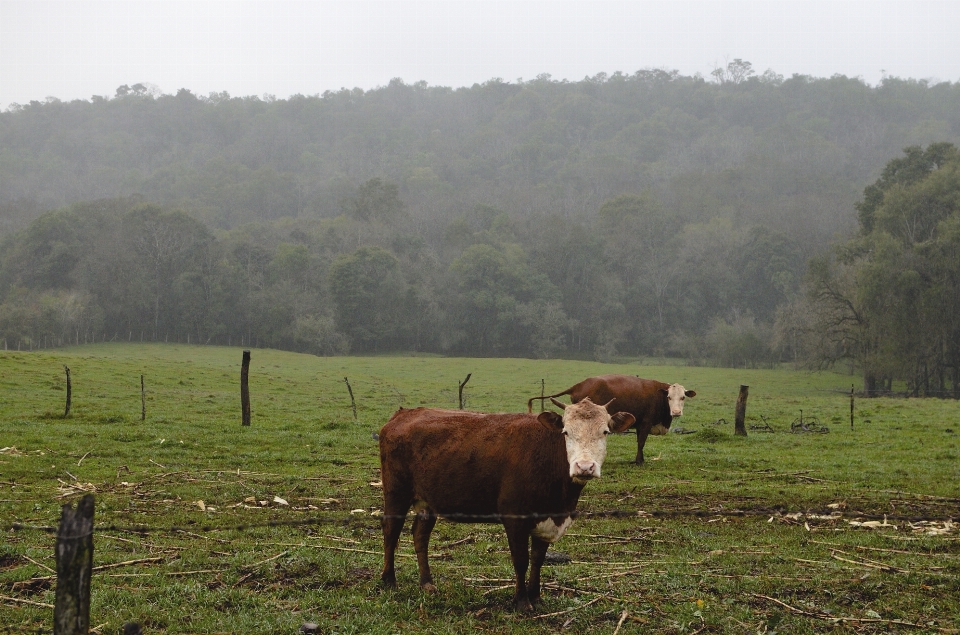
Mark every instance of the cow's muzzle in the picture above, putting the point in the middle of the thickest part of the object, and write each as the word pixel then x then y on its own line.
pixel 585 470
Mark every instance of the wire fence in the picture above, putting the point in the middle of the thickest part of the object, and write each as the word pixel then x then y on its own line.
pixel 338 518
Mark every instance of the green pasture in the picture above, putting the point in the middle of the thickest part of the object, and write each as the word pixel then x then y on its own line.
pixel 172 493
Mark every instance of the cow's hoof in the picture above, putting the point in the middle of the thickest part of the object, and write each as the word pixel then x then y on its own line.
pixel 388 583
pixel 524 606
pixel 428 587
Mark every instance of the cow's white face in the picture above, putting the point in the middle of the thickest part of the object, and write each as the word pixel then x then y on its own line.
pixel 675 396
pixel 585 427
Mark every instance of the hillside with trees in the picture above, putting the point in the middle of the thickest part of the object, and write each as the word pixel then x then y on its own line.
pixel 888 300
pixel 642 214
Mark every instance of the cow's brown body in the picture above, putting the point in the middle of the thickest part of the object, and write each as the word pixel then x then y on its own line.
pixel 645 399
pixel 473 467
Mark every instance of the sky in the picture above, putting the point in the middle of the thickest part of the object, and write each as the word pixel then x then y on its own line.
pixel 75 49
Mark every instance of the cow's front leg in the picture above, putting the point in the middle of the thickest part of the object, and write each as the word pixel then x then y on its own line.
pixel 538 553
pixel 423 524
pixel 642 433
pixel 518 536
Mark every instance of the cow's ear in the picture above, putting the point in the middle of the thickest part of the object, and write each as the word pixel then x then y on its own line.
pixel 550 420
pixel 691 393
pixel 621 421
pixel 665 391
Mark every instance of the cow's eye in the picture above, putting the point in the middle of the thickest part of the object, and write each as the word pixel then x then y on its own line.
pixel 564 432
pixel 606 432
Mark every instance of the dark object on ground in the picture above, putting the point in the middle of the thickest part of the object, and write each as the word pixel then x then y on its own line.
pixel 132 628
pixel 766 427
pixel 812 424
pixel 555 557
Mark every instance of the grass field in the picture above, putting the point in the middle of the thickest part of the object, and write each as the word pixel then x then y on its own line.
pixel 688 564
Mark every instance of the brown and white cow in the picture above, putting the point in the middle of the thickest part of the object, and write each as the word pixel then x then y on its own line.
pixel 653 403
pixel 521 470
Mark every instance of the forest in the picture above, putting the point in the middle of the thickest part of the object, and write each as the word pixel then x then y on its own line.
pixel 742 219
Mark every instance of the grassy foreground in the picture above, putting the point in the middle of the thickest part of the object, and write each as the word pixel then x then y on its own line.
pixel 787 566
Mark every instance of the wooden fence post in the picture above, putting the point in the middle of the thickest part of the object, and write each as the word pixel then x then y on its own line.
pixel 74 553
pixel 143 401
pixel 464 383
pixel 66 412
pixel 353 403
pixel 851 406
pixel 739 428
pixel 245 389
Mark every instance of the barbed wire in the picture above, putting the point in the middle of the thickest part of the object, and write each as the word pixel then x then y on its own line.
pixel 355 518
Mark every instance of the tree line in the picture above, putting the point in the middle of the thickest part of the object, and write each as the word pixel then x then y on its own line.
pixel 633 281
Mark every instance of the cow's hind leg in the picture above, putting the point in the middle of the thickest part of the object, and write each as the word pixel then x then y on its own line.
pixel 518 537
pixel 538 553
pixel 423 524
pixel 395 508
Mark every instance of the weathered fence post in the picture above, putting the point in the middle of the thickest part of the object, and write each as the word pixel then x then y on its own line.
pixel 143 401
pixel 739 428
pixel 74 553
pixel 66 412
pixel 353 402
pixel 464 383
pixel 851 406
pixel 245 389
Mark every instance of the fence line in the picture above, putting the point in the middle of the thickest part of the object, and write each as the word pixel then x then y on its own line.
pixel 352 518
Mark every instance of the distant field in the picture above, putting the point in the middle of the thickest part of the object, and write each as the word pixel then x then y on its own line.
pixel 702 569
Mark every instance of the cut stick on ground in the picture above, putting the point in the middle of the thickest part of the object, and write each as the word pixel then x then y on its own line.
pixel 882 567
pixel 103 567
pixel 578 535
pixel 623 618
pixel 7 598
pixel 187 533
pixel 576 608
pixel 906 553
pixel 831 618
pixel 127 563
pixel 378 553
pixel 168 573
pixel 143 544
pixel 257 564
pixel 42 566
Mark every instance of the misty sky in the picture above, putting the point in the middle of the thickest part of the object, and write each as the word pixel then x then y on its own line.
pixel 73 49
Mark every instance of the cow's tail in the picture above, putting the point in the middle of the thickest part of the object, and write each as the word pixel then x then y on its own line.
pixel 542 399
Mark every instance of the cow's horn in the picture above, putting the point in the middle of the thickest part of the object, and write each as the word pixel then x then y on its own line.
pixel 558 404
pixel 609 402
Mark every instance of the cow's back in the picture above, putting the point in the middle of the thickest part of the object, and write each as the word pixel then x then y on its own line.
pixel 470 463
pixel 643 398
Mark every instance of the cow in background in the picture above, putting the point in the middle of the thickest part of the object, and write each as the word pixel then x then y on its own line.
pixel 653 403
pixel 521 470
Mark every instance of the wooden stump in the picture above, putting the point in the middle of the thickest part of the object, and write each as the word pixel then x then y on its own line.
pixel 464 383
pixel 740 428
pixel 74 553
pixel 245 389
pixel 66 412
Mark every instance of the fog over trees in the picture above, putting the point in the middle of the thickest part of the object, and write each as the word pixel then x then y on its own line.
pixel 642 214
